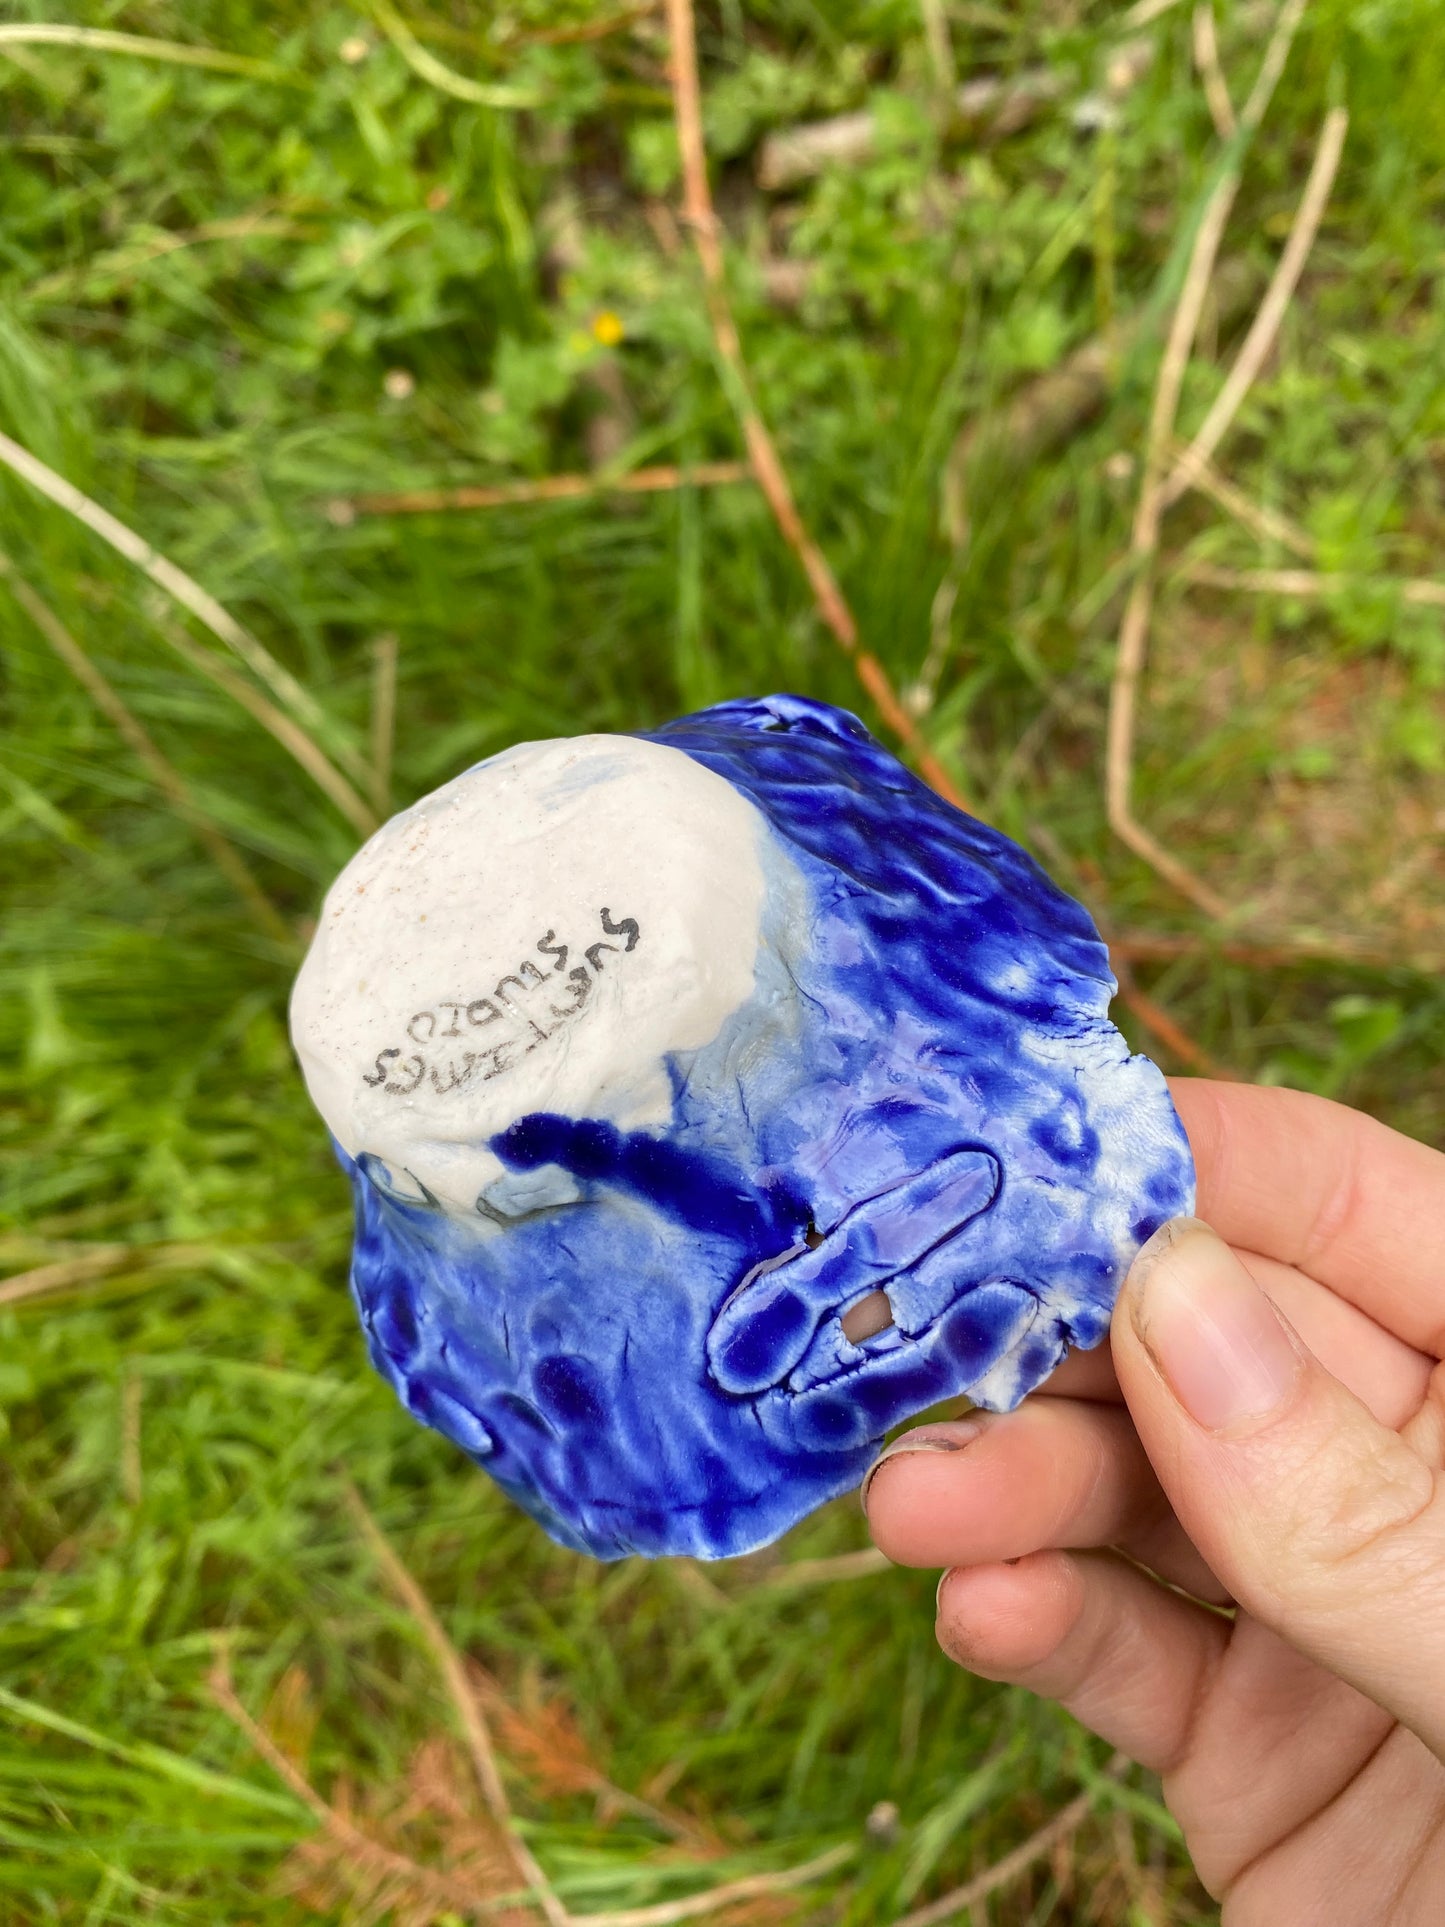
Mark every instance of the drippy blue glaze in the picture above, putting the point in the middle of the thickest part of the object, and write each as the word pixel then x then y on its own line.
pixel 924 1095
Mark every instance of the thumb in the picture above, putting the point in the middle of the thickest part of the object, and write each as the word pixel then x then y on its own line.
pixel 1325 1525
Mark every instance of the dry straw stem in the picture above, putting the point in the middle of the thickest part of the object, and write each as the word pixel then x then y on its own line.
pixel 1313 582
pixel 290 735
pixel 766 464
pixel 862 1564
pixel 173 52
pixel 1206 59
pixel 166 777
pixel 1144 541
pixel 1065 1823
pixel 464 1701
pixel 371 1860
pixel 731 1893
pixel 478 1737
pixel 1294 953
pixel 344 509
pixel 1167 1029
pixel 1266 523
pixel 1265 327
pixel 104 1261
pixel 436 73
pixel 176 583
pixel 126 262
pixel 383 719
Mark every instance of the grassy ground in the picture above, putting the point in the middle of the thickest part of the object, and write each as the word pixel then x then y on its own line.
pixel 229 299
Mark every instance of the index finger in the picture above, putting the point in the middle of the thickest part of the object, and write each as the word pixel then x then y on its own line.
pixel 1313 1184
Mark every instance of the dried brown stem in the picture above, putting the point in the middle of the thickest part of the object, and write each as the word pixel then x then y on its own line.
pixel 729 1894
pixel 290 735
pixel 1143 946
pixel 383 720
pixel 163 774
pixel 552 488
pixel 862 1564
pixel 1167 1029
pixel 1261 337
pixel 766 464
pixel 1266 523
pixel 103 1262
pixel 1206 59
pixel 176 583
pixel 1144 542
pixel 464 1702
pixel 1038 1846
pixel 370 1856
pixel 1422 593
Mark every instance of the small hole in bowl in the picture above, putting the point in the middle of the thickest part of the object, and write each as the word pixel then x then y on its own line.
pixel 812 1237
pixel 868 1317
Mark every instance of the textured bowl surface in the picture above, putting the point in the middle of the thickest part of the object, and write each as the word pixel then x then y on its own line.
pixel 655 1061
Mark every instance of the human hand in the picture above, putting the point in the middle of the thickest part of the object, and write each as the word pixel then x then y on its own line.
pixel 1291 1470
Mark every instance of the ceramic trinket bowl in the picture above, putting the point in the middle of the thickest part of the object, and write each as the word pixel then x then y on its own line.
pixel 714 1099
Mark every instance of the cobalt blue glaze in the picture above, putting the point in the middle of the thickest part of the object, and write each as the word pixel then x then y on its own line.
pixel 944 1112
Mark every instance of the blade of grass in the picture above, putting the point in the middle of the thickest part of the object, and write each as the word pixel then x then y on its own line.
pixel 154 1759
pixel 290 735
pixel 174 53
pixel 164 775
pixel 181 587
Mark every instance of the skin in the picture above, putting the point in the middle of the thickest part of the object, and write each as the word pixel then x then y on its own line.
pixel 1283 1464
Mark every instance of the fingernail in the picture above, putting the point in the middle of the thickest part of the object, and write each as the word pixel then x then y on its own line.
pixel 961 1433
pixel 1215 1337
pixel 943 1579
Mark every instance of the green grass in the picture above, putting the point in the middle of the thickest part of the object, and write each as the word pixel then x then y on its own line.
pixel 173 1434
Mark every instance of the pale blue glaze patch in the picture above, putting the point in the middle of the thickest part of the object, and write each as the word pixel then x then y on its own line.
pixel 925 1095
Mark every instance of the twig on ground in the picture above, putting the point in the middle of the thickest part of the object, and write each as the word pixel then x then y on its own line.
pixel 1266 523
pixel 290 735
pixel 1151 1015
pixel 371 1858
pixel 751 1887
pixel 468 1708
pixel 163 774
pixel 1421 592
pixel 103 1262
pixel 990 107
pixel 464 1702
pixel 767 467
pixel 383 719
pixel 425 65
pixel 1206 59
pixel 177 584
pixel 1170 1033
pixel 344 509
pixel 1144 541
pixel 1261 337
pixel 1292 953
pixel 1065 1822
pixel 1047 411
